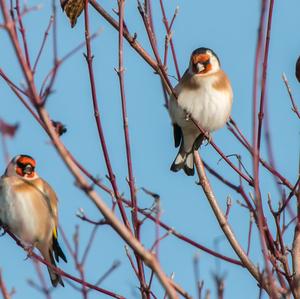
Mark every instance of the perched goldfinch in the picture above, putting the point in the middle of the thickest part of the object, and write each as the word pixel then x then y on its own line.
pixel 28 208
pixel 204 93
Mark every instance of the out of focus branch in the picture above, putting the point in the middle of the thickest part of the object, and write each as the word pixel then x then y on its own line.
pixel 3 288
pixel 62 273
pixel 296 249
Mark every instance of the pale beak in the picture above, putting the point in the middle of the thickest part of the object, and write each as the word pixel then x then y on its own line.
pixel 199 67
pixel 28 169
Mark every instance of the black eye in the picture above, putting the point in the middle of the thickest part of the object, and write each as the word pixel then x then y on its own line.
pixel 205 63
pixel 21 165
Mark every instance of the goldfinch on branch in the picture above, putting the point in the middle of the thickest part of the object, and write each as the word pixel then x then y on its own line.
pixel 204 94
pixel 28 208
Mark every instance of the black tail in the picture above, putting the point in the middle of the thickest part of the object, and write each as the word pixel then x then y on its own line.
pixel 58 251
pixel 55 278
pixel 184 161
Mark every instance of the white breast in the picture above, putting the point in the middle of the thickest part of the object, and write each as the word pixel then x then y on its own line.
pixel 18 212
pixel 208 106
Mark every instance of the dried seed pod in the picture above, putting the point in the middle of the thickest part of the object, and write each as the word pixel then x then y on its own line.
pixel 298 69
pixel 59 127
pixel 73 9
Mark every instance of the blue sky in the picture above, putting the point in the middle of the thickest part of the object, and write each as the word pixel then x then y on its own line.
pixel 230 29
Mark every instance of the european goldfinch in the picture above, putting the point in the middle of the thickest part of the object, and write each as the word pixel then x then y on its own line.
pixel 204 93
pixel 28 208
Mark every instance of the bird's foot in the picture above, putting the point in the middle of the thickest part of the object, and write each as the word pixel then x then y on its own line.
pixel 27 248
pixel 3 227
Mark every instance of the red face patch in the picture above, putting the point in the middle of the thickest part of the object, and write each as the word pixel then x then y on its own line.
pixel 25 166
pixel 24 160
pixel 19 171
pixel 200 58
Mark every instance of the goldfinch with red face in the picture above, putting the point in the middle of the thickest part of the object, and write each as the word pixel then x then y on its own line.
pixel 204 94
pixel 28 208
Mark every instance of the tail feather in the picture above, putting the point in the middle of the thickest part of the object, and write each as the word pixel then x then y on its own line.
pixel 57 250
pixel 189 164
pixel 184 161
pixel 54 277
pixel 179 160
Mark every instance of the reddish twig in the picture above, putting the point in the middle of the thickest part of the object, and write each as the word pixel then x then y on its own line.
pixel 23 32
pixel 163 225
pixel 239 135
pixel 169 36
pixel 250 233
pixel 113 267
pixel 62 273
pixel 264 75
pixel 241 174
pixel 3 288
pixel 203 181
pixel 289 90
pixel 89 60
pixel 199 283
pixel 45 90
pixel 256 150
pixel 149 60
pixel 135 220
pixel 43 44
pixel 44 289
pixel 282 258
pixel 292 193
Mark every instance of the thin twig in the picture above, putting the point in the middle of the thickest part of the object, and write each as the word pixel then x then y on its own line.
pixel 289 90
pixel 203 181
pixel 42 44
pixel 3 288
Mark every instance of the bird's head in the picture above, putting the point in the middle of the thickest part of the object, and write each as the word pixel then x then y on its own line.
pixel 23 166
pixel 204 62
